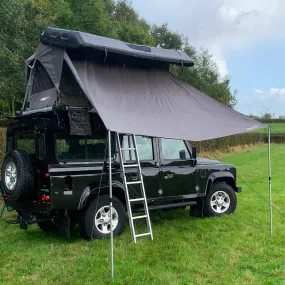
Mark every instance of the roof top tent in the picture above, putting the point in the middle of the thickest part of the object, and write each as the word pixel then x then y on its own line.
pixel 54 80
pixel 128 85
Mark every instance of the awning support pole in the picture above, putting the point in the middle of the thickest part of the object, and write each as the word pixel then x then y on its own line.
pixel 111 205
pixel 269 182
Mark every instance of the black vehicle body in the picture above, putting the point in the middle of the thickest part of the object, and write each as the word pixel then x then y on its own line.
pixel 72 184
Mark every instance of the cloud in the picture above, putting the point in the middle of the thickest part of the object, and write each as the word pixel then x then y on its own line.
pixel 279 92
pixel 262 101
pixel 222 26
pixel 258 91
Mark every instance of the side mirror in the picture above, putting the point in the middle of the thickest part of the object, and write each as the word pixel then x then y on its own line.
pixel 182 154
pixel 194 153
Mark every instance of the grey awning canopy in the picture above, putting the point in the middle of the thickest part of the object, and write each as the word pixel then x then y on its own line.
pixel 153 102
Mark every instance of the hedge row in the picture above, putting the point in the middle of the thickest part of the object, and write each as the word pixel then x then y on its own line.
pixel 270 121
pixel 227 142
pixel 274 138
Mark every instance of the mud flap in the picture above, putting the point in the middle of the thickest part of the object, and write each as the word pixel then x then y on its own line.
pixel 198 209
pixel 64 226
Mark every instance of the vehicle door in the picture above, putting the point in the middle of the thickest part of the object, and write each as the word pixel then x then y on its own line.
pixel 80 163
pixel 148 156
pixel 178 172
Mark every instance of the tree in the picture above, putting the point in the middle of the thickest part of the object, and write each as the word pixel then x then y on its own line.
pixel 22 22
pixel 128 25
pixel 11 58
pixel 89 16
pixel 165 39
pixel 267 116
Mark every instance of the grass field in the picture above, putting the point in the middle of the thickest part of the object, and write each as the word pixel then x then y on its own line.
pixel 235 249
pixel 277 128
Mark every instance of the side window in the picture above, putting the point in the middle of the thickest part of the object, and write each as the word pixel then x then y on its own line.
pixel 26 141
pixel 174 149
pixel 144 145
pixel 42 147
pixel 74 148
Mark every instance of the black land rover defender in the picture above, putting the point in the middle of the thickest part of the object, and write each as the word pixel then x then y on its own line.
pixel 57 180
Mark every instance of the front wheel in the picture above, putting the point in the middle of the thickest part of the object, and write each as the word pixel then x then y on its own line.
pixel 220 200
pixel 95 220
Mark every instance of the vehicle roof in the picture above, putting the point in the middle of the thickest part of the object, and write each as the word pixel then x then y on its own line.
pixel 76 40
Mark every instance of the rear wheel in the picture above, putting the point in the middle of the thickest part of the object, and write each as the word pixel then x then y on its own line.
pixel 95 220
pixel 220 200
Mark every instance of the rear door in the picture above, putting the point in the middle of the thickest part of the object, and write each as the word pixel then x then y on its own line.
pixel 178 175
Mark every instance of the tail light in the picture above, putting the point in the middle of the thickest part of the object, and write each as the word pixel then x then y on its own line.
pixel 46 198
pixel 46 181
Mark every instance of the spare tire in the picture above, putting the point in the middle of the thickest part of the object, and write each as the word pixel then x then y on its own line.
pixel 17 174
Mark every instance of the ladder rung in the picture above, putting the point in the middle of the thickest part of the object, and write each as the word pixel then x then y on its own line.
pixel 129 148
pixel 134 182
pixel 142 235
pixel 139 217
pixel 131 165
pixel 135 200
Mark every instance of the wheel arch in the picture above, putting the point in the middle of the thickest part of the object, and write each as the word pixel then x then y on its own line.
pixel 91 192
pixel 223 176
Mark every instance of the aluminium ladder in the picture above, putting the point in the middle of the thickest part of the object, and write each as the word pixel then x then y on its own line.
pixel 139 182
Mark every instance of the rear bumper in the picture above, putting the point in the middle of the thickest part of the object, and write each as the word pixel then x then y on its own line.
pixel 28 206
pixel 238 189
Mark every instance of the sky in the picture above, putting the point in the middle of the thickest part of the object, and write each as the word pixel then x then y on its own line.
pixel 245 37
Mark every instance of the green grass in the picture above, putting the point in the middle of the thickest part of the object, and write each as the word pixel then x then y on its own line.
pixel 277 128
pixel 235 249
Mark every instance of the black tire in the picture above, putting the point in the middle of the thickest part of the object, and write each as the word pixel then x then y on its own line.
pixel 226 208
pixel 25 178
pixel 89 230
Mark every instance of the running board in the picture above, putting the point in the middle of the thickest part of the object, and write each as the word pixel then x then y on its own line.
pixel 168 206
